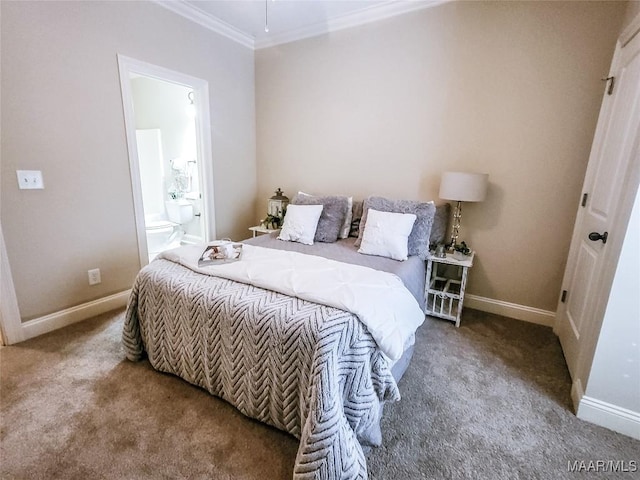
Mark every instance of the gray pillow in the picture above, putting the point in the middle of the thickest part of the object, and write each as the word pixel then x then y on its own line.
pixel 440 225
pixel 332 218
pixel 418 243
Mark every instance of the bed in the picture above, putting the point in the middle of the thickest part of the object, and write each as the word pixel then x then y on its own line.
pixel 284 336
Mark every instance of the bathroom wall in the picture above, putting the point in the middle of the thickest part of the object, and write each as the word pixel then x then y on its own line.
pixel 151 166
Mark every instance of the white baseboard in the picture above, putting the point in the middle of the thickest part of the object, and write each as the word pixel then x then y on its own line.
pixel 610 416
pixel 53 321
pixel 511 310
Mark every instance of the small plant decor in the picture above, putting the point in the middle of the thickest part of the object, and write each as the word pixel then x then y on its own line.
pixel 463 248
pixel 272 222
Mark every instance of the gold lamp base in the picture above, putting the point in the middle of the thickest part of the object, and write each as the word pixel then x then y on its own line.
pixel 457 215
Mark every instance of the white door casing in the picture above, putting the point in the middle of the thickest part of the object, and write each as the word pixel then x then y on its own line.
pixel 10 321
pixel 609 188
pixel 128 66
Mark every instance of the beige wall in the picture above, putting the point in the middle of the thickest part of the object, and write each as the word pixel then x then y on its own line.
pixel 507 88
pixel 62 114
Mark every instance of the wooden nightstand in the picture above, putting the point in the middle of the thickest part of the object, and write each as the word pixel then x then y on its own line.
pixel 445 284
pixel 258 230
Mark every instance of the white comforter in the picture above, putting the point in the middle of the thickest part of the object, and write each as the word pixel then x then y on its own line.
pixel 379 299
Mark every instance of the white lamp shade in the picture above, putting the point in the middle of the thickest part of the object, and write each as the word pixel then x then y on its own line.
pixel 464 187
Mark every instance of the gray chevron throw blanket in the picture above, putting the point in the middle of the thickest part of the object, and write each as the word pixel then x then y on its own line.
pixel 310 370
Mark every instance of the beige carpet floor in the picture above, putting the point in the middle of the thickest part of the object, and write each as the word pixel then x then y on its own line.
pixel 490 400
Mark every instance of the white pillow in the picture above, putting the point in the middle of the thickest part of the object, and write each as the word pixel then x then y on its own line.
pixel 300 223
pixel 386 234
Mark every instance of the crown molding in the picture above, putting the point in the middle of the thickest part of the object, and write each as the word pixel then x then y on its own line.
pixel 349 20
pixel 214 24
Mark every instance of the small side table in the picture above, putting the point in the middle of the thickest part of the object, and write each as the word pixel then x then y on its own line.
pixel 259 230
pixel 445 284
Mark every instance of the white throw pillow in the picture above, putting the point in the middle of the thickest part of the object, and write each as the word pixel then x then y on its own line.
pixel 300 223
pixel 386 234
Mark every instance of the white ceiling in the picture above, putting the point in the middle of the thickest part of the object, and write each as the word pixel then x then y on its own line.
pixel 288 20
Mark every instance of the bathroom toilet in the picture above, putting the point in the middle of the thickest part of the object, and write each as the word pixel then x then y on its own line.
pixel 165 231
pixel 158 234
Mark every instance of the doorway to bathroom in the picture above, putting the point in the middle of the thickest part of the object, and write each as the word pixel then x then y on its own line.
pixel 168 138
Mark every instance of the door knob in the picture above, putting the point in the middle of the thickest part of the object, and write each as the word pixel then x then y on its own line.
pixel 595 236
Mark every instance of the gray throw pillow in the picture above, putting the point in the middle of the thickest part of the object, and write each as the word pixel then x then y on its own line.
pixel 418 243
pixel 333 214
pixel 440 225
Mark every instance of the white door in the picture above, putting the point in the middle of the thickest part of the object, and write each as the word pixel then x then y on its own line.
pixel 598 233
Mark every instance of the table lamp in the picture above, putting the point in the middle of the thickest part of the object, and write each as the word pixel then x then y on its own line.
pixel 462 187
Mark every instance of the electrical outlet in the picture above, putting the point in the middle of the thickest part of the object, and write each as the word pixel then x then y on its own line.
pixel 94 276
pixel 30 179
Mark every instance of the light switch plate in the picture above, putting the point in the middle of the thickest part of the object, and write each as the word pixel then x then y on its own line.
pixel 30 179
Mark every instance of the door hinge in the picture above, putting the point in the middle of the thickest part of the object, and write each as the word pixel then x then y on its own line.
pixel 563 298
pixel 584 199
pixel 612 81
